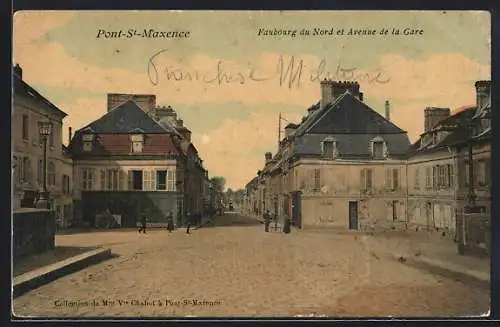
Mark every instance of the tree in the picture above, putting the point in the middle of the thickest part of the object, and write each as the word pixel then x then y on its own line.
pixel 219 183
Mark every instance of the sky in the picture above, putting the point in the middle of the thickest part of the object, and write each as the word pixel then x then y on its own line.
pixel 231 77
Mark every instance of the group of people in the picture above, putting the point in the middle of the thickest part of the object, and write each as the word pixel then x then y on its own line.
pixel 195 219
pixel 268 218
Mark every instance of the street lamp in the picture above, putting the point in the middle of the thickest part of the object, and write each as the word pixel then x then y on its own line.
pixel 45 130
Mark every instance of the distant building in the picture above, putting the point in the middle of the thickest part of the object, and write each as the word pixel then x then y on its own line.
pixel 29 108
pixel 130 162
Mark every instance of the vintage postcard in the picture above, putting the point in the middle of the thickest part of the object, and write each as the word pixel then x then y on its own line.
pixel 251 164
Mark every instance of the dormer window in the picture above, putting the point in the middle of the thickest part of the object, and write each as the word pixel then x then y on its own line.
pixel 137 143
pixel 378 148
pixel 329 148
pixel 88 139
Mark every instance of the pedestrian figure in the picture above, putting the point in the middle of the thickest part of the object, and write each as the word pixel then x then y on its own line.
pixel 286 225
pixel 267 221
pixel 143 223
pixel 170 222
pixel 188 221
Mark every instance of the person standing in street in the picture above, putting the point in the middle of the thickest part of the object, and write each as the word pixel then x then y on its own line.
pixel 188 222
pixel 286 224
pixel 170 222
pixel 267 221
pixel 143 223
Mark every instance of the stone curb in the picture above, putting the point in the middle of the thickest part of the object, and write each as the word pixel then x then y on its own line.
pixel 447 270
pixel 36 278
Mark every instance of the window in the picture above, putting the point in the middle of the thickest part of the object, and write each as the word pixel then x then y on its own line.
pixel 65 184
pixel 482 173
pixel 161 180
pixel 366 179
pixel 466 173
pixel 26 128
pixel 450 176
pixel 24 170
pixel 428 178
pixel 317 180
pixel 395 179
pixel 149 180
pixel 112 179
pixel 416 181
pixel 137 143
pixel 135 179
pixel 39 172
pixel 88 140
pixel 51 174
pixel 378 148
pixel 171 181
pixel 87 179
pixel 435 177
pixel 329 148
pixel 392 178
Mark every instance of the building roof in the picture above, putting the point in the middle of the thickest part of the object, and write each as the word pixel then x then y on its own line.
pixel 127 118
pixel 352 124
pixel 21 88
pixel 348 114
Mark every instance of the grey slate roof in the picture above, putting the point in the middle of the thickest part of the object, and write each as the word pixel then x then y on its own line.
pixel 349 115
pixel 127 118
pixel 21 88
pixel 353 124
pixel 350 145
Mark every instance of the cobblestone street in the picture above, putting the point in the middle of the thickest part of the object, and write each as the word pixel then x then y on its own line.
pixel 234 268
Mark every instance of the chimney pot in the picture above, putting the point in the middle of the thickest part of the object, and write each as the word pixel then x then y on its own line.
pixel 387 110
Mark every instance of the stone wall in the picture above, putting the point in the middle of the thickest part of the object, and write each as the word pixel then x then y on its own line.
pixel 33 232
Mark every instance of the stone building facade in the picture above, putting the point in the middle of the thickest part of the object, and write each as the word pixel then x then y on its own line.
pixel 29 108
pixel 346 166
pixel 134 160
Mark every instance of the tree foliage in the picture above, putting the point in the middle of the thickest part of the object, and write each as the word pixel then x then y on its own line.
pixel 219 183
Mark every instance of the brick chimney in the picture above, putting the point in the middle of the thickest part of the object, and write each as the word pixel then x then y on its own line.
pixel 326 93
pixel 268 156
pixel 331 90
pixel 185 132
pixel 483 93
pixel 434 115
pixel 146 102
pixel 18 71
pixel 70 134
pixel 387 110
pixel 340 88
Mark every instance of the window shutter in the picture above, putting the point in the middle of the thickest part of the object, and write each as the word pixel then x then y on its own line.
pixel 130 180
pixel 145 179
pixel 122 179
pixel 153 180
pixel 368 178
pixel 103 179
pixel 362 179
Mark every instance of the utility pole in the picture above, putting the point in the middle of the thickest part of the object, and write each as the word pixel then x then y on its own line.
pixel 279 130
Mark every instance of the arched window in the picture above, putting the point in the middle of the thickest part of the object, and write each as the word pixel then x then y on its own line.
pixel 329 148
pixel 378 148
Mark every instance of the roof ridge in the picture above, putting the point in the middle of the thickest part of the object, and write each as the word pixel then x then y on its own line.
pixel 379 114
pixel 107 112
pixel 325 111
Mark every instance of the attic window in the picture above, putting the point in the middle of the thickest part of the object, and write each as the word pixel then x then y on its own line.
pixel 378 148
pixel 329 148
pixel 137 143
pixel 87 142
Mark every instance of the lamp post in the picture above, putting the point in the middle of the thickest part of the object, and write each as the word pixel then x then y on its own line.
pixel 45 130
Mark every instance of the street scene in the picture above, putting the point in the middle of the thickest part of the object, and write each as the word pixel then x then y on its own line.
pixel 316 169
pixel 233 268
